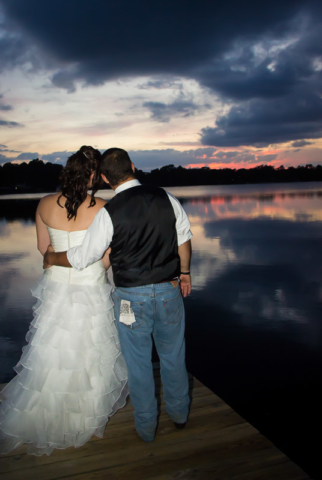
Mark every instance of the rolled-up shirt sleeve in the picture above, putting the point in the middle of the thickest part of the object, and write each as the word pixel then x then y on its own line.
pixel 96 242
pixel 182 221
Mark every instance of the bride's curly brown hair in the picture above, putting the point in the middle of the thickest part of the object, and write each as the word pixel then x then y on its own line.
pixel 75 178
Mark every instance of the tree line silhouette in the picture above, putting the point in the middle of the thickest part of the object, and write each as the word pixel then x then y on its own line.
pixel 38 176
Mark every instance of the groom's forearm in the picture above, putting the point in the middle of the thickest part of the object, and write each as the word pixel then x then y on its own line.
pixel 184 251
pixel 59 259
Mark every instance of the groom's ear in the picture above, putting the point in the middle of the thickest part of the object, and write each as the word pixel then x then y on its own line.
pixel 133 167
pixel 104 178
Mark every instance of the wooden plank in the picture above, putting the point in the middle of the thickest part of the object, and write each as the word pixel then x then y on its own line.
pixel 206 469
pixel 166 469
pixel 115 426
pixel 219 462
pixel 215 471
pixel 201 406
pixel 217 444
pixel 126 450
pixel 211 418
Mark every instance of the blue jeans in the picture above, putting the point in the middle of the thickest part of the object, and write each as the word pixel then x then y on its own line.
pixel 158 311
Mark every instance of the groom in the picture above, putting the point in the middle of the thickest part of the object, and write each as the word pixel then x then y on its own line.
pixel 149 235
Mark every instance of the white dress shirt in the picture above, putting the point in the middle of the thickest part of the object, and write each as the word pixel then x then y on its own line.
pixel 100 233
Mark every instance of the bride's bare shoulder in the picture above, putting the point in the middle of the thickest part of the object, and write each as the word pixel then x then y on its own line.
pixel 49 200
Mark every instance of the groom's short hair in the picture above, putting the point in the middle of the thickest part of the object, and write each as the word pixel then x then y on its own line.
pixel 116 165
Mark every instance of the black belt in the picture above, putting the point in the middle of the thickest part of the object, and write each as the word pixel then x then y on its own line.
pixel 166 281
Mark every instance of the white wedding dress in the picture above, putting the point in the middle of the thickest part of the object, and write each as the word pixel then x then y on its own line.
pixel 71 376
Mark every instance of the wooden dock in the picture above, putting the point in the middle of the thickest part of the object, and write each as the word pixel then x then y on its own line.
pixel 217 444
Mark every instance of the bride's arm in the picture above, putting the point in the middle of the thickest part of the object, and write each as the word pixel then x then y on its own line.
pixel 43 239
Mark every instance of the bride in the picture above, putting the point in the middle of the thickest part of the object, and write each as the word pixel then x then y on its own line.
pixel 71 376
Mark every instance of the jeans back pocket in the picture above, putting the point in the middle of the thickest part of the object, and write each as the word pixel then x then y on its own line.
pixel 136 307
pixel 174 308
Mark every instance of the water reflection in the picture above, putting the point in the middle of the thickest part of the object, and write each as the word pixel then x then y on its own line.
pixel 257 257
pixel 261 262
pixel 306 205
pixel 20 267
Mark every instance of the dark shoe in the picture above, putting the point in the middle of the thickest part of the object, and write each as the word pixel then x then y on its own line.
pixel 180 426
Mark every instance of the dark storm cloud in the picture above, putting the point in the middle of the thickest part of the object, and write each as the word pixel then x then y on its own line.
pixel 258 122
pixel 106 40
pixel 7 150
pixel 163 112
pixel 279 98
pixel 133 38
pixel 57 157
pixel 27 156
pixel 158 84
pixel 13 52
pixel 149 159
pixel 267 158
pixel 54 157
pixel 18 50
pixel 259 57
pixel 300 143
pixel 4 123
pixel 6 108
pixel 4 158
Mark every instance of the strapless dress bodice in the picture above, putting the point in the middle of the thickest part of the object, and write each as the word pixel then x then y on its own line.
pixel 61 240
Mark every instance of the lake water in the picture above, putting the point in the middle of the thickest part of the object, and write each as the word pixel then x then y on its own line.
pixel 254 319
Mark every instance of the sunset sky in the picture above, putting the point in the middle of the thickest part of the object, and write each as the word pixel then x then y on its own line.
pixel 191 83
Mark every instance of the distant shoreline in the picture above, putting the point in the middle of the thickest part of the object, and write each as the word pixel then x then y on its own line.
pixel 39 194
pixel 37 176
pixel 253 189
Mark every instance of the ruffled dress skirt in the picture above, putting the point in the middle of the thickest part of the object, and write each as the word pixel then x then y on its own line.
pixel 71 377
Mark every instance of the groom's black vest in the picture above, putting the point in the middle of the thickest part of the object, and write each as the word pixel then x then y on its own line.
pixel 144 248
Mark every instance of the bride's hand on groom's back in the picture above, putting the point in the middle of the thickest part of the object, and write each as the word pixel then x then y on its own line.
pixel 106 259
